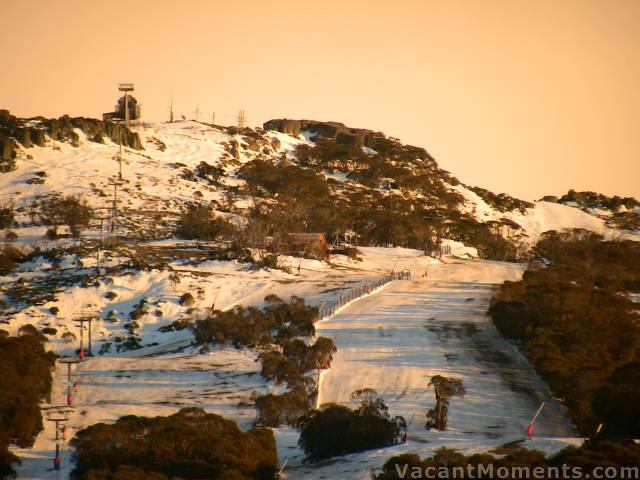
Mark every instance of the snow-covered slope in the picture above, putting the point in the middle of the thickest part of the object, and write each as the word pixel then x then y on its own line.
pixel 396 340
pixel 542 217
pixel 159 180
pixel 405 333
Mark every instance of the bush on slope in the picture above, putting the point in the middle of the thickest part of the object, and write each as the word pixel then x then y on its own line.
pixel 25 379
pixel 190 444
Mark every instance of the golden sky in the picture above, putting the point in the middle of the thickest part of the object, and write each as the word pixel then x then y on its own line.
pixel 517 96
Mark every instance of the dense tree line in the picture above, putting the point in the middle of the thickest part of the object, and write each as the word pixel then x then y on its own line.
pixel 597 200
pixel 25 379
pixel 335 430
pixel 400 199
pixel 580 330
pixel 190 444
pixel 447 463
pixel 251 327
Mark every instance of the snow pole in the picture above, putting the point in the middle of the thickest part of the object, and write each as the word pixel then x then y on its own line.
pixel 81 341
pixel 282 467
pixel 56 459
pixel 529 428
pixel 537 413
pixel 213 305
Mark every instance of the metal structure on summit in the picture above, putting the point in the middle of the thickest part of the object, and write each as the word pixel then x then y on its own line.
pixel 241 119
pixel 127 110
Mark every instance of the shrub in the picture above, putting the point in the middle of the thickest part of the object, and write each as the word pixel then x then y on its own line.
pixel 131 327
pixel 51 233
pixel 337 430
pixel 139 310
pixel 187 300
pixel 69 337
pixel 278 368
pixel 70 210
pixel 284 409
pixel 7 216
pixel 450 463
pixel 10 236
pixel 111 295
pixel 25 379
pixel 175 326
pixel 190 444
pixel 9 256
pixel 249 327
pixel 209 172
pixel 198 222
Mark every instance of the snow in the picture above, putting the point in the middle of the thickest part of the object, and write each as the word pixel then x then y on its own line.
pixel 221 381
pixel 396 340
pixel 542 217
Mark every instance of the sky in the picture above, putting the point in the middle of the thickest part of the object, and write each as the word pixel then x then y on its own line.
pixel 526 97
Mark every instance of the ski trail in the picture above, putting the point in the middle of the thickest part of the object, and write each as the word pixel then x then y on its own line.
pixel 396 340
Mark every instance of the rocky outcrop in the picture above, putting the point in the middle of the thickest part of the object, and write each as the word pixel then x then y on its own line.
pixel 336 131
pixel 33 131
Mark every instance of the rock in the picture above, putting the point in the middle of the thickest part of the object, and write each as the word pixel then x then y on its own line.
pixel 252 144
pixel 335 131
pixel 37 137
pixel 35 181
pixel 7 149
pixel 24 137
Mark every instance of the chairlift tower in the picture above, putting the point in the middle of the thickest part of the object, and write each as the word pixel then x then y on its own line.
pixel 58 418
pixel 82 318
pixel 70 361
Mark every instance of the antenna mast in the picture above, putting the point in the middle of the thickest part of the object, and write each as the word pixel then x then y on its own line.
pixel 241 118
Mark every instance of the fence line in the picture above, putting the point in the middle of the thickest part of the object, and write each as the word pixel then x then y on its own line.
pixel 345 297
